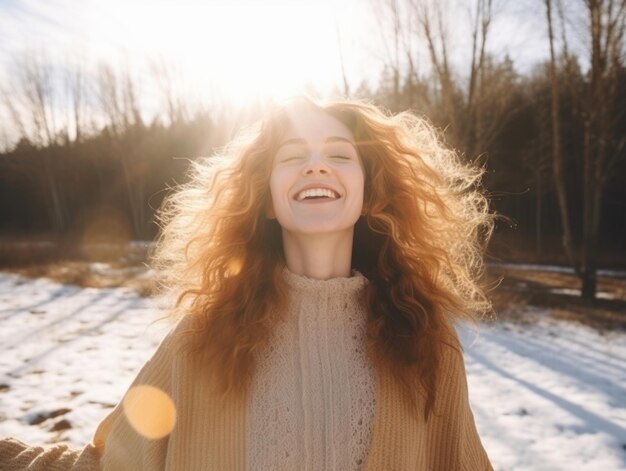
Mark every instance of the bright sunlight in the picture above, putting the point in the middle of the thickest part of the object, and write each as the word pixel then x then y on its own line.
pixel 235 50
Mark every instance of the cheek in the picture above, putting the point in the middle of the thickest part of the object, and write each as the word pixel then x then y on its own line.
pixel 357 181
pixel 360 185
pixel 278 193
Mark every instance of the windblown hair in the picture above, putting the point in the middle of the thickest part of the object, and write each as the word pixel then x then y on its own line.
pixel 420 243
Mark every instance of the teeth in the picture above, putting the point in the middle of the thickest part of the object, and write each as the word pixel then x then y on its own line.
pixel 316 192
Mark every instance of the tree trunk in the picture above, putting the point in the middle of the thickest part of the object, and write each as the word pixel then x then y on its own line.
pixel 54 201
pixel 538 247
pixel 606 21
pixel 557 155
pixel 133 172
pixel 589 277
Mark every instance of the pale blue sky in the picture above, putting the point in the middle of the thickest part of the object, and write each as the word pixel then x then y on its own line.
pixel 236 50
pixel 139 29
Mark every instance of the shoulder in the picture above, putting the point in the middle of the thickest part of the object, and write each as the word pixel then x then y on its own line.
pixel 451 376
pixel 454 418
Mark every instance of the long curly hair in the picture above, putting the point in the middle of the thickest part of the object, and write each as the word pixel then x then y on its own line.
pixel 420 243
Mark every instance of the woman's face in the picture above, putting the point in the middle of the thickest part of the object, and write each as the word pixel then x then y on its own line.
pixel 317 177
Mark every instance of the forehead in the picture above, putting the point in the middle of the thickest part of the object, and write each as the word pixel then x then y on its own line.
pixel 314 125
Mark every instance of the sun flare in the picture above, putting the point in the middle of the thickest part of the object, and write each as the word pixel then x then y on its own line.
pixel 240 51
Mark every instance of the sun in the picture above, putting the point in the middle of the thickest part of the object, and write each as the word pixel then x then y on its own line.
pixel 242 50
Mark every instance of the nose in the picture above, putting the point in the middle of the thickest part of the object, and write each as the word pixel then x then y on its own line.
pixel 315 165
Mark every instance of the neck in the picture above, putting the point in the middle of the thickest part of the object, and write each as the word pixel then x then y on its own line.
pixel 319 256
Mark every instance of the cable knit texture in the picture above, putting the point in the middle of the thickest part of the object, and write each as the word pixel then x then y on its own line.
pixel 313 399
pixel 325 428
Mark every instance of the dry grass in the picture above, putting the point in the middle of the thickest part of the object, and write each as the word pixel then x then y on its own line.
pixel 89 275
pixel 520 289
pixel 518 294
pixel 95 265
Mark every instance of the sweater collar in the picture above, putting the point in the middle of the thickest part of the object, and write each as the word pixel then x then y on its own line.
pixel 345 285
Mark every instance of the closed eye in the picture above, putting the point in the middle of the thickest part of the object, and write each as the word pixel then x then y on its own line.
pixel 340 157
pixel 292 158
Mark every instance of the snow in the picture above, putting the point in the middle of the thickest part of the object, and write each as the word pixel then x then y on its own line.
pixel 547 394
pixel 68 347
pixel 556 269
pixel 577 293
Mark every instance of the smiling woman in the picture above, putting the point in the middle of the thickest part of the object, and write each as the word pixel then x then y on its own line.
pixel 316 188
pixel 317 267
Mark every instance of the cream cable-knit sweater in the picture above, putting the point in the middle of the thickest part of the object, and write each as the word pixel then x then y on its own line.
pixel 326 409
pixel 313 398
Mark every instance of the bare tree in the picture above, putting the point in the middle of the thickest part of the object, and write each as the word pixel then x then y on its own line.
pixel 37 90
pixel 11 106
pixel 480 30
pixel 119 103
pixel 31 101
pixel 434 28
pixel 76 93
pixel 474 106
pixel 389 17
pixel 163 73
pixel 118 99
pixel 557 155
pixel 603 146
pixel 109 98
pixel 346 85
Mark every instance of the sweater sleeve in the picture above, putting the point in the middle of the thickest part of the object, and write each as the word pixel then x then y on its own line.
pixel 131 437
pixel 463 449
pixel 116 444
pixel 16 455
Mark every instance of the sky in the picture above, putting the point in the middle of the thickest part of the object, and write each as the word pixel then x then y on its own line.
pixel 236 51
pixel 233 41
pixel 238 48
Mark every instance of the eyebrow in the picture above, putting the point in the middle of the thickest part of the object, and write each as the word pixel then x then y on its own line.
pixel 299 140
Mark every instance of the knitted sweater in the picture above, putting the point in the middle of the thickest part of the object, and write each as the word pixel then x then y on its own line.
pixel 313 397
pixel 315 404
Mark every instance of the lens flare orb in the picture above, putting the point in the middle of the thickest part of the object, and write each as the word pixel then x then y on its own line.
pixel 150 411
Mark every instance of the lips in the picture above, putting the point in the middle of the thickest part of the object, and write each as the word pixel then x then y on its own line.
pixel 316 192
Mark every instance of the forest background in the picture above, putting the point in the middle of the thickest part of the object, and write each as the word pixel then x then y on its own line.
pixel 104 105
pixel 88 154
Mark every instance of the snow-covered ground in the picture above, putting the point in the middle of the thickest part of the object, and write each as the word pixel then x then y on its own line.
pixel 555 269
pixel 549 395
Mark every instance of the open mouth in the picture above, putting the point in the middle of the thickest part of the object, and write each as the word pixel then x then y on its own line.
pixel 316 194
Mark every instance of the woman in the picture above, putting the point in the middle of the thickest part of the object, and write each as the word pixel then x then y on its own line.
pixel 317 266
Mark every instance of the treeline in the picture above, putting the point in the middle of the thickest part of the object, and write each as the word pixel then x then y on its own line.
pixel 90 159
pixel 62 188
pixel 552 140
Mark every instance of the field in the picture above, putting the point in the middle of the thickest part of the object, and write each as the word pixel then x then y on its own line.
pixel 547 378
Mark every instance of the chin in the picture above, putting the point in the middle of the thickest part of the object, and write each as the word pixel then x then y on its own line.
pixel 320 229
